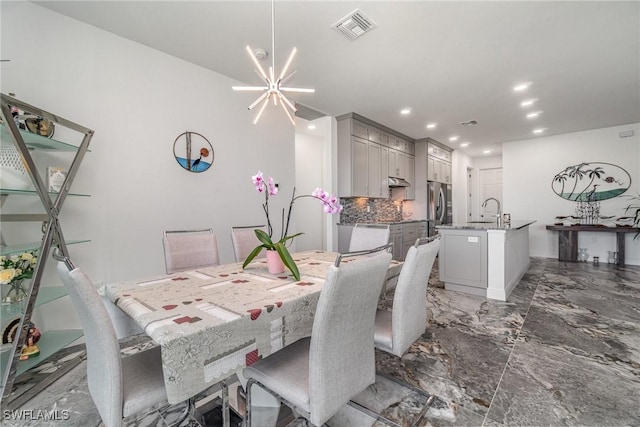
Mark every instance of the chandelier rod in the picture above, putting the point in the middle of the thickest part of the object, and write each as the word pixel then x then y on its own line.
pixel 273 35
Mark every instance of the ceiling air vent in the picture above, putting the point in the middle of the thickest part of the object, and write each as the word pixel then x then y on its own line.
pixel 469 123
pixel 354 25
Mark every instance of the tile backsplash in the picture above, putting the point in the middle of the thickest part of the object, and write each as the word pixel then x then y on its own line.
pixel 355 210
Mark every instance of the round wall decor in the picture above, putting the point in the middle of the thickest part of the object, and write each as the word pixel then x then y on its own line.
pixel 193 152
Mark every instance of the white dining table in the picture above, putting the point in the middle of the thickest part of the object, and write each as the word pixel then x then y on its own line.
pixel 212 322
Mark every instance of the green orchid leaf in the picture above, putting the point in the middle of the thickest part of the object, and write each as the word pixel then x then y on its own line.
pixel 284 239
pixel 254 253
pixel 287 260
pixel 264 239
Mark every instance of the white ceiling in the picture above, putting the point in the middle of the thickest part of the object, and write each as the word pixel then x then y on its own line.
pixel 448 61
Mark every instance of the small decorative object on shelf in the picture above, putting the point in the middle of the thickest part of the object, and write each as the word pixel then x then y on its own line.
pixel 583 255
pixel 596 261
pixel 14 269
pixel 55 178
pixel 30 349
pixel 612 257
pixel 331 206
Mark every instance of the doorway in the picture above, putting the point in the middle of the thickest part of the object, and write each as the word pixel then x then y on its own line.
pixel 489 185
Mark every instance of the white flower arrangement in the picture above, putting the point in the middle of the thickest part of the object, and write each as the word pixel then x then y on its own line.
pixel 17 267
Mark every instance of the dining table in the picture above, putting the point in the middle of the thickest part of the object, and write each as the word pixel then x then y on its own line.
pixel 212 322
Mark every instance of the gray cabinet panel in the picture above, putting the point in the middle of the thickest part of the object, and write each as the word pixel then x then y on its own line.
pixel 463 257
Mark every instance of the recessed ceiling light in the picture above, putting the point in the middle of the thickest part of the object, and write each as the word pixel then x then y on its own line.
pixel 465 144
pixel 521 86
pixel 454 138
pixel 487 151
pixel 528 102
pixel 311 127
pixel 431 125
pixel 539 130
pixel 405 111
pixel 534 115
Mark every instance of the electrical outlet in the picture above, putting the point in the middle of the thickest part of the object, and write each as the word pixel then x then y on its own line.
pixel 368 208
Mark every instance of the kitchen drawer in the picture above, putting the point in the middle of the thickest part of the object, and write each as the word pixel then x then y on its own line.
pixel 395 229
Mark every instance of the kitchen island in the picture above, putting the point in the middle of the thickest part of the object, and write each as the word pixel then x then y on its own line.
pixel 484 258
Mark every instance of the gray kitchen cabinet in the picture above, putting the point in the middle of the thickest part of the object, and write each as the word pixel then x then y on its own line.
pixel 368 154
pixel 397 164
pixel 384 171
pixel 463 258
pixel 438 164
pixel 410 167
pixel 431 168
pixel 395 237
pixel 360 167
pixel 374 178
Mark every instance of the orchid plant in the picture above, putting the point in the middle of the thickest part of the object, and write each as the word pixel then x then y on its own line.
pixel 330 203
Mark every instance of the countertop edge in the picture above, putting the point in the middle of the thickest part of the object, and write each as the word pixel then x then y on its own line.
pixel 515 225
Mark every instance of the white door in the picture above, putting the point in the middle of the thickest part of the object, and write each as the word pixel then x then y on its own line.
pixel 489 185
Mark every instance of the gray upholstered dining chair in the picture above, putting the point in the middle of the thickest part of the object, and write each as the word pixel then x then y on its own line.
pixel 368 236
pixel 397 329
pixel 189 249
pixel 244 241
pixel 318 375
pixel 120 387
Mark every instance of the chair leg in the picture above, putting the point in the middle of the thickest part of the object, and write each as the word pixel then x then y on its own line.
pixel 430 397
pixel 247 412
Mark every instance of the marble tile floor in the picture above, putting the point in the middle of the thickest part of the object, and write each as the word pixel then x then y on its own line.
pixel 563 350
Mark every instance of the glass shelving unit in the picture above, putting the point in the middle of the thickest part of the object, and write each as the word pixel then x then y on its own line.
pixel 26 142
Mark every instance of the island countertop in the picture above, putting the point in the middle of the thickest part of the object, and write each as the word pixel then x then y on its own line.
pixel 489 225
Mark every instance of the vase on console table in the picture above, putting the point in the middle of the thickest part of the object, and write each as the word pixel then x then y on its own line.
pixel 583 255
pixel 274 262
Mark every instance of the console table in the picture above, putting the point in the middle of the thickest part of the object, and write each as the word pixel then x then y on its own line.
pixel 568 239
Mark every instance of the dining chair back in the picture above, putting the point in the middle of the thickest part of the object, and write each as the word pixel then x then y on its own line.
pixel 321 374
pixel 244 241
pixel 368 236
pixel 189 249
pixel 397 329
pixel 119 387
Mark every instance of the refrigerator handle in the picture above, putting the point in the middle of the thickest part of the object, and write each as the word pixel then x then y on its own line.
pixel 441 206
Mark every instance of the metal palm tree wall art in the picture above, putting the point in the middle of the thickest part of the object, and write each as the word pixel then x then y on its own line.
pixel 273 90
pixel 591 182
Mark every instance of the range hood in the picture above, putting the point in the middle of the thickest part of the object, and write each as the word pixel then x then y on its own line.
pixel 398 182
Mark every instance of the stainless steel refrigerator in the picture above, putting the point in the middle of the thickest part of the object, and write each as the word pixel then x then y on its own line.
pixel 439 210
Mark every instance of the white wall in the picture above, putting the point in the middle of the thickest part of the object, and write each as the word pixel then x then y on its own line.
pixel 529 168
pixel 138 101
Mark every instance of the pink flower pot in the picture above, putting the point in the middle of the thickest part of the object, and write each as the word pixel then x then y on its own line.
pixel 274 263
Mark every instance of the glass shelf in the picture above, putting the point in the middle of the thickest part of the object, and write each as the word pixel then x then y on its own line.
pixel 31 246
pixel 50 343
pixel 4 191
pixel 46 294
pixel 35 141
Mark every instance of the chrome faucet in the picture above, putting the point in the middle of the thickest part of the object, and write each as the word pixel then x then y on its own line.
pixel 499 215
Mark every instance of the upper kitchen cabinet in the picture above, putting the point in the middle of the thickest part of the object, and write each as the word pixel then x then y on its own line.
pixel 438 163
pixel 368 154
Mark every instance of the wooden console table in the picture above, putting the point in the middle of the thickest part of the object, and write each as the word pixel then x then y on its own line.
pixel 568 239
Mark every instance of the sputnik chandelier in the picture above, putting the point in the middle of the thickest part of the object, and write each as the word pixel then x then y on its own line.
pixel 274 89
